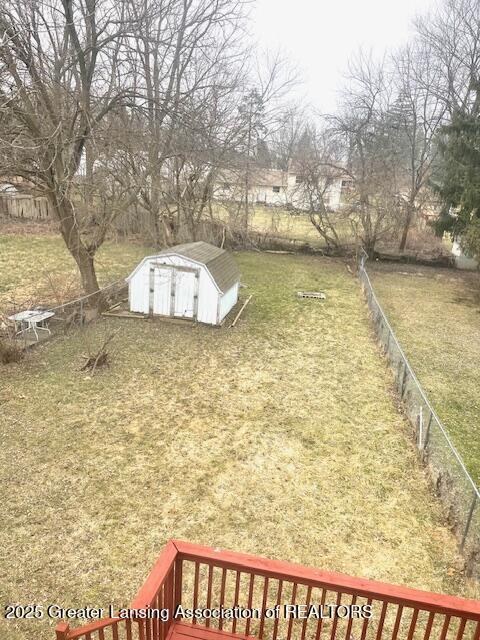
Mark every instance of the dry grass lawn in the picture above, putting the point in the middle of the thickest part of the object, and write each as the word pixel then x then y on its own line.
pixel 279 222
pixel 37 268
pixel 280 437
pixel 436 314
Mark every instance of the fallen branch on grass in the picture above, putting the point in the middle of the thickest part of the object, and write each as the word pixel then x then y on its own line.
pixel 99 358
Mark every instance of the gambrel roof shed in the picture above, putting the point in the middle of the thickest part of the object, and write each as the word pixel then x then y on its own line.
pixel 221 265
pixel 196 280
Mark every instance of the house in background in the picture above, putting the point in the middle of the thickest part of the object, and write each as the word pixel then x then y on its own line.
pixel 274 187
pixel 462 259
pixel 271 187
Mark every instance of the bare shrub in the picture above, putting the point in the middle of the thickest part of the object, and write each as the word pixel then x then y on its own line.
pixel 10 352
pixel 99 357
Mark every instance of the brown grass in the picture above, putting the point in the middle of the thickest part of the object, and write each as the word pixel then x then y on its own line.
pixel 436 314
pixel 279 437
pixel 36 268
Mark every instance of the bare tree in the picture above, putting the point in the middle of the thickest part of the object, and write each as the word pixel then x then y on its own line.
pixel 287 136
pixel 450 36
pixel 102 103
pixel 61 74
pixel 316 160
pixel 416 117
pixel 260 115
pixel 203 152
pixel 186 53
pixel 363 125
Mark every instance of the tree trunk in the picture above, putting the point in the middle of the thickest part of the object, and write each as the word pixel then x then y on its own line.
pixel 369 243
pixel 85 259
pixel 169 231
pixel 88 274
pixel 321 227
pixel 406 227
pixel 157 240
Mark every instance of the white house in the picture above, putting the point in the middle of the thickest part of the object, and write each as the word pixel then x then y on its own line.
pixel 271 186
pixel 196 280
pixel 275 188
pixel 462 259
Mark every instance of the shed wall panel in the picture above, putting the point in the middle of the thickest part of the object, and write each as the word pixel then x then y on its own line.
pixel 228 301
pixel 208 299
pixel 185 286
pixel 208 306
pixel 139 290
pixel 162 291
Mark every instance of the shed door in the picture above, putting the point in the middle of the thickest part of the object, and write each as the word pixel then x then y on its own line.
pixel 185 294
pixel 162 290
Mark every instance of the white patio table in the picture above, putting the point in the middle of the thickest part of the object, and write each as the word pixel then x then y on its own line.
pixel 32 319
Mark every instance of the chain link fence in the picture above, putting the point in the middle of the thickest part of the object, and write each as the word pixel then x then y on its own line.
pixel 27 327
pixel 446 470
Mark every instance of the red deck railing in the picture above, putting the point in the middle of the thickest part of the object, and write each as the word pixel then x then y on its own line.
pixel 194 576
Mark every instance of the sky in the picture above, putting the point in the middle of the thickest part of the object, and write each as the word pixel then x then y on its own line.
pixel 320 36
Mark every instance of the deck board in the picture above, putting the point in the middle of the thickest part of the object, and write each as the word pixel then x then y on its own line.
pixel 184 631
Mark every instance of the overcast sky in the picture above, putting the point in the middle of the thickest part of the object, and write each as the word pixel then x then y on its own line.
pixel 321 35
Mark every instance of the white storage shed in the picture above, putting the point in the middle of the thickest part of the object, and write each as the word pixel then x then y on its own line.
pixel 195 280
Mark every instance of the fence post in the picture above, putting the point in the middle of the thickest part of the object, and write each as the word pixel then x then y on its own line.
pixel 387 343
pixel 469 520
pixel 61 631
pixel 381 326
pixel 427 433
pixel 420 428
pixel 399 374
pixel 402 389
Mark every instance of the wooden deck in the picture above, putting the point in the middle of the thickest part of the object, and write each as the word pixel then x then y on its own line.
pixel 192 575
pixel 183 631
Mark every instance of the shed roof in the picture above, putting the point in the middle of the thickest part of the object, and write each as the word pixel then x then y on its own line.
pixel 220 263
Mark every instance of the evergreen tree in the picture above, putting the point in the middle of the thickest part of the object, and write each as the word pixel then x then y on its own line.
pixel 457 180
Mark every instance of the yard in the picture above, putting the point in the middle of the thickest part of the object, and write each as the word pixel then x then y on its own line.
pixel 280 437
pixel 280 222
pixel 435 313
pixel 36 267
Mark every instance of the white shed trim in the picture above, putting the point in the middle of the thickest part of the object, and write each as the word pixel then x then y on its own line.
pixel 177 255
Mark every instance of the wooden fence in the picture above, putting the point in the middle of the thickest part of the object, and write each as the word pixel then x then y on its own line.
pixel 22 205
